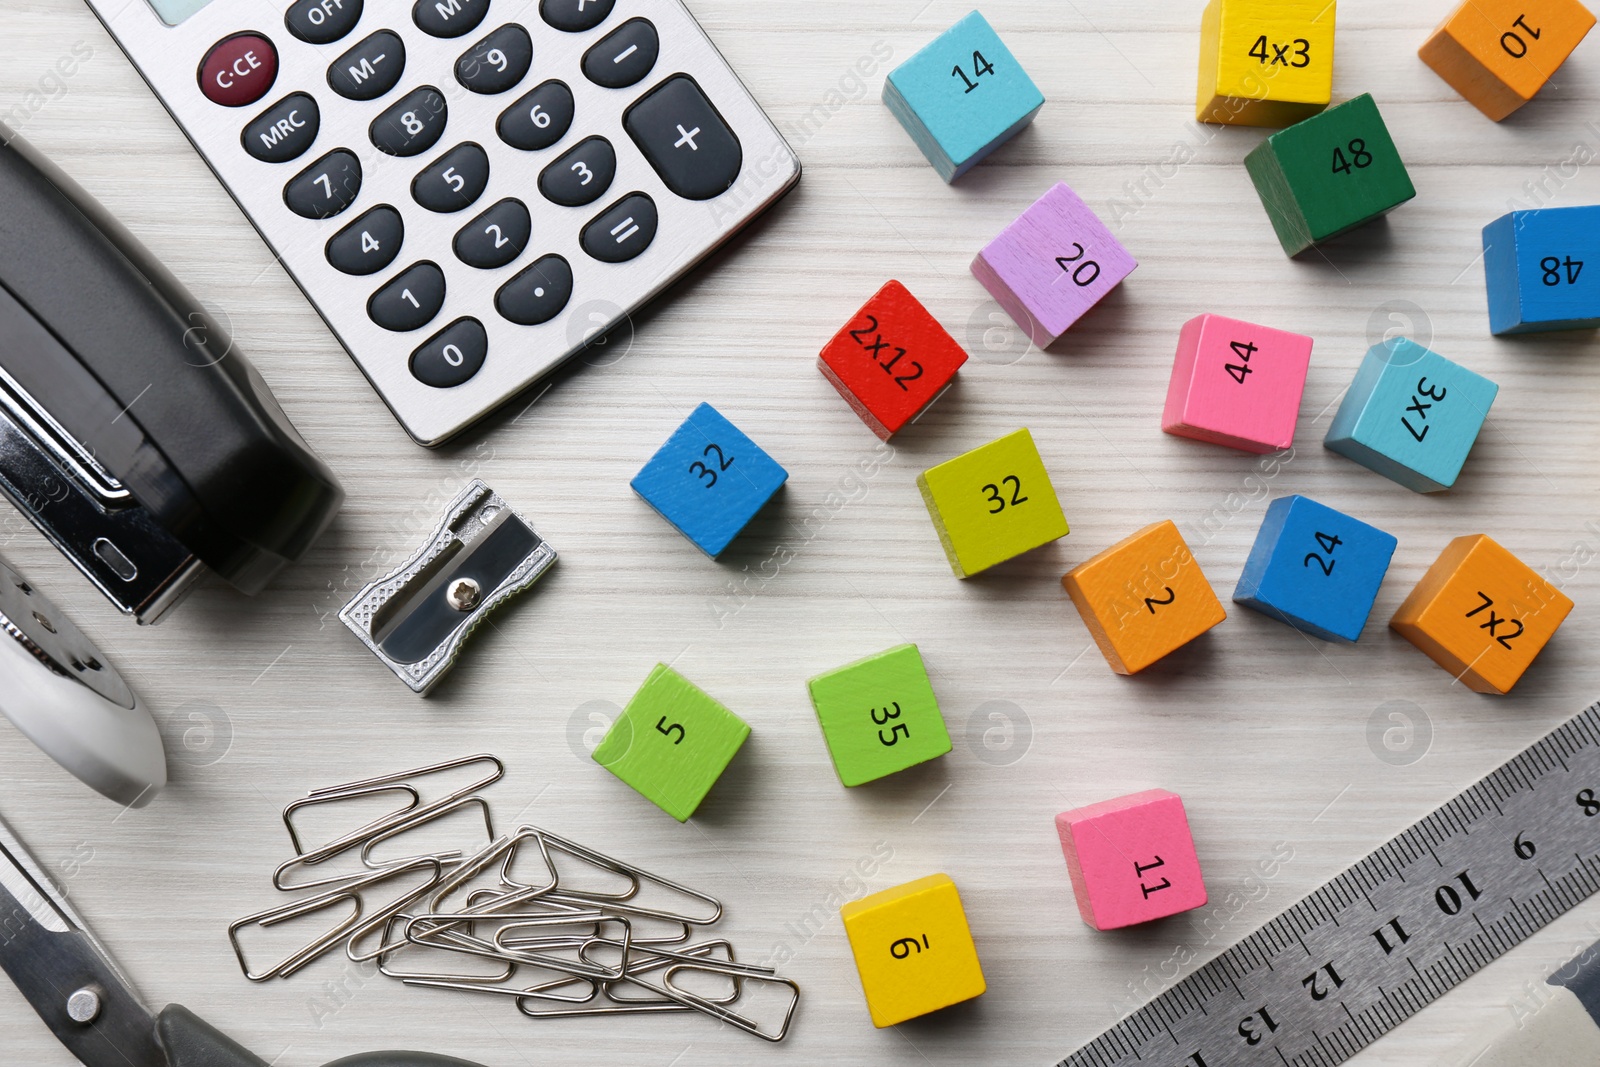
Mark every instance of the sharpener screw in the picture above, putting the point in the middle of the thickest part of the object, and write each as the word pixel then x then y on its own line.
pixel 464 594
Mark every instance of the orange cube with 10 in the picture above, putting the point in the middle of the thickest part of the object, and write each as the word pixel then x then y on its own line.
pixel 1498 54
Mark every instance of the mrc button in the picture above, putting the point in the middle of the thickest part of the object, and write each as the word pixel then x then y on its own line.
pixel 284 131
pixel 239 70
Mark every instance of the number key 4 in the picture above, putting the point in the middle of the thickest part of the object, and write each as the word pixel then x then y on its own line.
pixel 709 480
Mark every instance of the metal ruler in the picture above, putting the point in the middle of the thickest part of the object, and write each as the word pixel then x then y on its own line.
pixel 1392 934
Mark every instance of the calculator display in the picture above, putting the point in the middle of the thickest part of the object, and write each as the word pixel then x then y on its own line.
pixel 173 12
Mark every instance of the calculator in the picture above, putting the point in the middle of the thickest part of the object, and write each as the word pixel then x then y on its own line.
pixel 469 191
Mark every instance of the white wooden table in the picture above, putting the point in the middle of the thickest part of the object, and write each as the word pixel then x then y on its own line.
pixel 1266 734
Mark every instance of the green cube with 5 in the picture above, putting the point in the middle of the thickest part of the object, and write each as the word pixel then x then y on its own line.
pixel 672 742
pixel 1329 174
pixel 879 715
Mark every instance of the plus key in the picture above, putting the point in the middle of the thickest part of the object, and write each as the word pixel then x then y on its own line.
pixel 679 131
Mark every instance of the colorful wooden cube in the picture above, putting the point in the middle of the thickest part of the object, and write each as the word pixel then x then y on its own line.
pixel 709 480
pixel 1265 62
pixel 1131 859
pixel 1329 174
pixel 1315 568
pixel 879 715
pixel 1237 384
pixel 1053 264
pixel 1143 597
pixel 1534 263
pixel 913 949
pixel 1411 415
pixel 1499 53
pixel 672 742
pixel 992 504
pixel 891 361
pixel 962 96
pixel 1482 614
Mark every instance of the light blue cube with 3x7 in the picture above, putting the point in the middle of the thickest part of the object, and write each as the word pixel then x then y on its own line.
pixel 1315 568
pixel 962 96
pixel 709 480
pixel 1411 415
pixel 1543 270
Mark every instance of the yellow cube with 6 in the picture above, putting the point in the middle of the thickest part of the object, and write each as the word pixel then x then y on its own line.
pixel 913 949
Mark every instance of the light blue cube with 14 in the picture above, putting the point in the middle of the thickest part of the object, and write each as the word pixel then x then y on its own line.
pixel 962 96
pixel 1543 270
pixel 709 480
pixel 1411 415
pixel 1315 568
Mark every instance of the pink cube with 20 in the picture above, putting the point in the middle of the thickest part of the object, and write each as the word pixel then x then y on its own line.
pixel 1237 384
pixel 1131 859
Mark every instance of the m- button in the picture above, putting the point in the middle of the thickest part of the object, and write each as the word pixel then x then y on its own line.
pixel 239 70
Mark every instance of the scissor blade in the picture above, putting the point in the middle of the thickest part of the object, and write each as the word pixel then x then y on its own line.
pixel 49 954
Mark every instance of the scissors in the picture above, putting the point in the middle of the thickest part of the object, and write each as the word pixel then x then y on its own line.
pixel 89 1005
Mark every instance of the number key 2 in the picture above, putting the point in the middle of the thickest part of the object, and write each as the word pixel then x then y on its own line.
pixel 891 361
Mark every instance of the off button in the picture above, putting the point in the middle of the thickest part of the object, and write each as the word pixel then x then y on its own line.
pixel 239 70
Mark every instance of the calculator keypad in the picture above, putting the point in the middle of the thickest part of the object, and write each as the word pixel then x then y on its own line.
pixel 284 131
pixel 451 356
pixel 325 188
pixel 537 294
pixel 371 68
pixel 411 125
pixel 453 181
pixel 575 16
pixel 495 237
pixel 581 175
pixel 624 56
pixel 679 131
pixel 448 18
pixel 411 300
pixel 322 21
pixel 473 173
pixel 496 63
pixel 368 244
pixel 539 119
pixel 623 231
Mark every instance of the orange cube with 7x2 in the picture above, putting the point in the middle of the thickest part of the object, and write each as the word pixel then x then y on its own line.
pixel 1144 597
pixel 1482 614
pixel 1500 53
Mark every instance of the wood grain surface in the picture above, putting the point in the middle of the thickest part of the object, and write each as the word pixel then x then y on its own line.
pixel 1274 740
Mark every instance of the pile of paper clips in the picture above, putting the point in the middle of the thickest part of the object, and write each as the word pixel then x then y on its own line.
pixel 521 918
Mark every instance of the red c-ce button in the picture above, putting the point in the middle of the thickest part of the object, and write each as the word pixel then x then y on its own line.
pixel 239 70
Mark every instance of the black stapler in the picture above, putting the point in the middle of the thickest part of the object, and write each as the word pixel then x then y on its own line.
pixel 132 433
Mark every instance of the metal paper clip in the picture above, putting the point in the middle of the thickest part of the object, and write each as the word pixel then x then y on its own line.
pixel 416 618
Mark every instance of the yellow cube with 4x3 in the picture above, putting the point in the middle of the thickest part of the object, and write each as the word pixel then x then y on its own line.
pixel 1265 62
pixel 992 504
